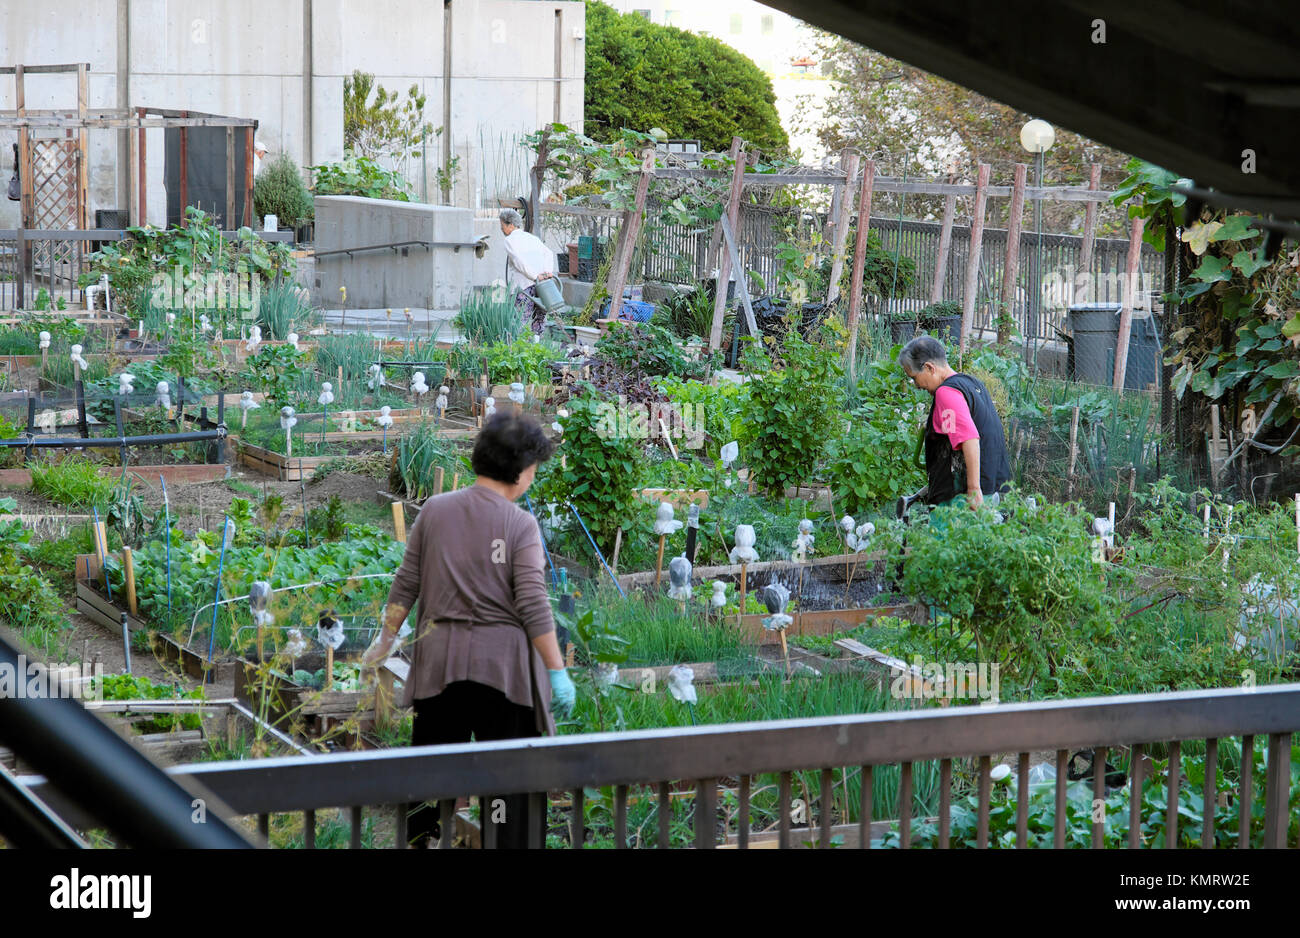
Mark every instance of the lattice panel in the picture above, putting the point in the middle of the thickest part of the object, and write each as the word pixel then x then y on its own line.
pixel 54 200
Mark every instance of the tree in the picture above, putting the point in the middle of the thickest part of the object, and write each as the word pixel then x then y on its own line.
pixel 386 127
pixel 915 122
pixel 640 75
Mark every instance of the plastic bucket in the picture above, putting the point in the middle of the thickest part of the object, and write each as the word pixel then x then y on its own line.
pixel 549 295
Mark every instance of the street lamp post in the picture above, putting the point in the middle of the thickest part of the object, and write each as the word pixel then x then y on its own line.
pixel 1037 137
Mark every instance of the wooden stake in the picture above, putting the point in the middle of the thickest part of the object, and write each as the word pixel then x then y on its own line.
pixel 971 285
pixel 785 652
pixel 1083 276
pixel 1297 523
pixel 618 539
pixel 744 583
pixel 1074 441
pixel 1206 532
pixel 329 667
pixel 455 481
pixel 945 244
pixel 659 561
pixel 860 256
pixel 668 437
pixel 1129 298
pixel 1010 270
pixel 724 261
pixel 1215 445
pixel 840 236
pixel 128 564
pixel 437 480
pixel 627 234
pixel 399 522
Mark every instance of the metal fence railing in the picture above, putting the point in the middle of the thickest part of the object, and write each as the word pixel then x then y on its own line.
pixel 701 762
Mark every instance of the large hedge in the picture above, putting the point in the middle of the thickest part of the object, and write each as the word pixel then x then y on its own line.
pixel 641 75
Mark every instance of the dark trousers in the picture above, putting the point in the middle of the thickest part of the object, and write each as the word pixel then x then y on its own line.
pixel 463 710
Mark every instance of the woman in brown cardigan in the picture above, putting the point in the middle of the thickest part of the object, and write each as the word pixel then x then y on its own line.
pixel 485 663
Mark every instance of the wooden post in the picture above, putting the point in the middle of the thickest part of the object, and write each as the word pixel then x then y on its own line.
pixel 437 480
pixel 1083 275
pixel 744 584
pixel 1011 269
pixel 973 257
pixel 659 561
pixel 184 167
pixel 230 190
pixel 83 154
pixel 1074 440
pixel 455 481
pixel 1130 291
pixel 724 261
pixel 851 161
pixel 715 240
pixel 128 565
pixel 329 667
pixel 143 154
pixel 618 540
pixel 945 245
pixel 535 185
pixel 1216 442
pixel 860 257
pixel 628 233
pixel 399 522
pixel 248 175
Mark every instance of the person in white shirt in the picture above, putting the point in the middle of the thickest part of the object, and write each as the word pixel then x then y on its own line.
pixel 528 261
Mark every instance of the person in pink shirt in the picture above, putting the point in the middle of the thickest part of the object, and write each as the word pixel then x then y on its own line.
pixel 965 448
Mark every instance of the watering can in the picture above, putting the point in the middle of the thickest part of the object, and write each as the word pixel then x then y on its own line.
pixel 549 295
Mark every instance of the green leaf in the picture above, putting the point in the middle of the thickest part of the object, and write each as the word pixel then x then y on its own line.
pixel 1234 228
pixel 1249 262
pixel 1212 269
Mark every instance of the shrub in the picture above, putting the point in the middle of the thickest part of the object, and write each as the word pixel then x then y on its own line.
pixel 600 472
pixel 279 191
pixel 359 175
pixel 875 461
pixel 791 413
pixel 650 350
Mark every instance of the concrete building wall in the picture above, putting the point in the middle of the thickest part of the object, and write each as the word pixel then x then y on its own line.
pixel 282 62
pixel 414 276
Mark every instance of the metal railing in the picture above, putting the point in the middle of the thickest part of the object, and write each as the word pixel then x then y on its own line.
pixel 705 756
pixel 32 259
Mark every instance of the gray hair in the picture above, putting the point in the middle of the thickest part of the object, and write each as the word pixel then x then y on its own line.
pixel 922 349
pixel 509 216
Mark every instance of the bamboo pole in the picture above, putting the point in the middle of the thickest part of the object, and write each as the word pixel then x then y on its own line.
pixel 618 541
pixel 659 561
pixel 329 667
pixel 860 256
pixel 399 522
pixel 1130 295
pixel 1083 276
pixel 1011 268
pixel 455 481
pixel 973 257
pixel 128 564
pixel 1074 441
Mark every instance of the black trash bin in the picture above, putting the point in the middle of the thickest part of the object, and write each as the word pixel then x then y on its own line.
pixel 1095 331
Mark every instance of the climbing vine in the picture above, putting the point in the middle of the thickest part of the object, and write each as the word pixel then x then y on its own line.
pixel 1240 335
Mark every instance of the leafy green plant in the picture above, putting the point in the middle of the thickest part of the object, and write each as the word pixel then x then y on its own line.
pixel 521 360
pixel 279 190
pixel 276 371
pixel 489 317
pixel 74 483
pixel 27 601
pixel 874 461
pixel 419 453
pixel 652 351
pixel 283 308
pixel 791 413
pixel 139 687
pixel 362 176
pixel 601 471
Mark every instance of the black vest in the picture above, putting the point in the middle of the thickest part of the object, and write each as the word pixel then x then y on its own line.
pixel 946 467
